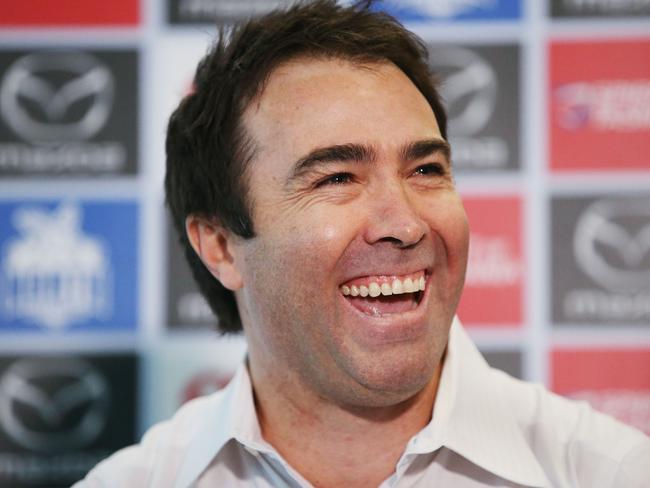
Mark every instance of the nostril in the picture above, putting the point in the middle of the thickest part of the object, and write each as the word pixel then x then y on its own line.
pixel 392 240
pixel 393 219
pixel 400 243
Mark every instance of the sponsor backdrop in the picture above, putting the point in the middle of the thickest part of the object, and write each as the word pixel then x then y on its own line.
pixel 102 331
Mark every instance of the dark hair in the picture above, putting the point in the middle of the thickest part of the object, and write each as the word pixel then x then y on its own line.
pixel 208 154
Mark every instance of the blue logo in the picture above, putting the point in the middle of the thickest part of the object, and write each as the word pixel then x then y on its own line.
pixel 68 266
pixel 451 10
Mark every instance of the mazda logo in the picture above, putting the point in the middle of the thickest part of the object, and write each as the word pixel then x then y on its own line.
pixel 56 97
pixel 469 88
pixel 612 244
pixel 53 404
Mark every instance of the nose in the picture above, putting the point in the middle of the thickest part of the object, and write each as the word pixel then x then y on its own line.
pixel 393 217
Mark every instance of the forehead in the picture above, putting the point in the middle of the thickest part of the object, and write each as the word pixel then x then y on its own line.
pixel 307 103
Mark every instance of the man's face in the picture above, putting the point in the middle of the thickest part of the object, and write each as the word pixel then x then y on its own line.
pixel 351 188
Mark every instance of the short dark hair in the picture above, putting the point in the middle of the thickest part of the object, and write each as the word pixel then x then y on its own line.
pixel 208 154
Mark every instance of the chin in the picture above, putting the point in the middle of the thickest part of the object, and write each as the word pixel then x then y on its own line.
pixel 387 381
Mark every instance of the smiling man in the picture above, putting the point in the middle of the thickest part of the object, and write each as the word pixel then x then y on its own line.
pixel 353 197
pixel 311 182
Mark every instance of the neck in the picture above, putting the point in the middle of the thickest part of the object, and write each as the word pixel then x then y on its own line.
pixel 315 435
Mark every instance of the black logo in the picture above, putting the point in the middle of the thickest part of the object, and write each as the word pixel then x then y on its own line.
pixel 68 111
pixel 612 244
pixel 480 88
pixel 56 97
pixel 53 404
pixel 469 90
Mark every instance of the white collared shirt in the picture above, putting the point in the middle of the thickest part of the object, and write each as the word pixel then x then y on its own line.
pixel 487 429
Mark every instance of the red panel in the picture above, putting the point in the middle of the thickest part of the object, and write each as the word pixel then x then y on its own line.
pixel 79 13
pixel 203 383
pixel 599 105
pixel 614 381
pixel 597 369
pixel 493 290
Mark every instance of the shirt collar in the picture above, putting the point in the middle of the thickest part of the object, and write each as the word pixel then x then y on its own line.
pixel 228 414
pixel 488 436
pixel 474 420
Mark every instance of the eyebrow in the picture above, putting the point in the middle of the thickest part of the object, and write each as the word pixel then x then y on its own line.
pixel 422 149
pixel 361 153
pixel 340 152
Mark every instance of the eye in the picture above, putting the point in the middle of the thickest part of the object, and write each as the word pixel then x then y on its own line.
pixel 431 169
pixel 335 179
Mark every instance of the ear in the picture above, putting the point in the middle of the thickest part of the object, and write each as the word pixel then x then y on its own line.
pixel 214 245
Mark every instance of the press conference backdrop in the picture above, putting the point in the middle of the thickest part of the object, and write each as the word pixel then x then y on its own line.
pixel 102 331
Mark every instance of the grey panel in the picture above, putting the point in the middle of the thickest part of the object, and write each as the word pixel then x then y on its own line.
pixel 186 307
pixel 218 11
pixel 599 8
pixel 68 112
pixel 62 414
pixel 601 260
pixel 508 361
pixel 480 88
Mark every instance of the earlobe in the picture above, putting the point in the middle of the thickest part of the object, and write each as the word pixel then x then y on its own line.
pixel 214 246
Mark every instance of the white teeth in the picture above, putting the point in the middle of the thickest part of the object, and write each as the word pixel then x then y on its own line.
pixel 386 289
pixel 374 290
pixel 397 287
pixel 408 286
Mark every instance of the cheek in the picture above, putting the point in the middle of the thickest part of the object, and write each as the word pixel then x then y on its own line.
pixel 294 259
pixel 290 284
pixel 316 240
pixel 458 246
pixel 459 230
pixel 450 223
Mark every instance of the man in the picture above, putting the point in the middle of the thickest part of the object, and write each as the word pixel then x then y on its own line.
pixel 311 181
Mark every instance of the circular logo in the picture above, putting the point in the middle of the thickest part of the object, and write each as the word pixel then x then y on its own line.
pixel 53 404
pixel 612 244
pixel 56 97
pixel 469 88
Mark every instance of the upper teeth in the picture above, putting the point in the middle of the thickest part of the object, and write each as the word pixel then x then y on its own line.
pixel 374 289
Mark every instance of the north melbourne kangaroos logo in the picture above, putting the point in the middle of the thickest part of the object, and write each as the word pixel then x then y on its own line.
pixel 52 273
pixel 442 8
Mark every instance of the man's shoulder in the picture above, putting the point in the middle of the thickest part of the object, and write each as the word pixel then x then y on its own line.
pixel 537 408
pixel 160 453
pixel 589 443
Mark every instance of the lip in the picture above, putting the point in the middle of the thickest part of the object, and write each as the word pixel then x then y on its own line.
pixel 395 272
pixel 391 328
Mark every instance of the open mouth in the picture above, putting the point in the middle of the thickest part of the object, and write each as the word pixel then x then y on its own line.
pixel 385 295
